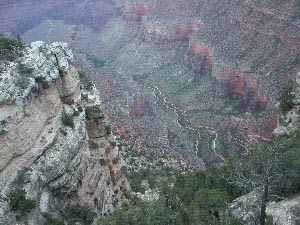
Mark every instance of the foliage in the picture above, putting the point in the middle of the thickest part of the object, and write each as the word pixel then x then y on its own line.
pixel 85 81
pixel 79 213
pixel 67 120
pixel 286 98
pixel 24 70
pixel 53 221
pixel 68 101
pixel 80 109
pixel 194 198
pixel 143 213
pixel 295 210
pixel 291 164
pixel 98 63
pixel 270 168
pixel 23 82
pixel 209 204
pixel 149 175
pixel 203 197
pixel 19 201
pixel 10 48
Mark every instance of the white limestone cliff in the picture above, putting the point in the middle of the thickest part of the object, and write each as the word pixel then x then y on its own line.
pixel 45 155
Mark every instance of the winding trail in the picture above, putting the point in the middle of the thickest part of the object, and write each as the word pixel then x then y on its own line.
pixel 180 114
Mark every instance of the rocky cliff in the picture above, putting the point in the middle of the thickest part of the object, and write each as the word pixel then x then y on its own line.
pixel 54 139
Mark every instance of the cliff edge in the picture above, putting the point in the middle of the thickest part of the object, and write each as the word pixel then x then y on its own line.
pixel 55 143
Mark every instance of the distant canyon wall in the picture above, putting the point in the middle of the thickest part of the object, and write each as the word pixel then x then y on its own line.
pixel 17 17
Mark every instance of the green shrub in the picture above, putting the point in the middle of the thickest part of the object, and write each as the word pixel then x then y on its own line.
pixel 83 214
pixel 24 70
pixel 80 109
pixel 68 101
pixel 19 201
pixel 76 113
pixel 10 48
pixel 85 81
pixel 53 221
pixel 23 82
pixel 286 98
pixel 42 49
pixel 67 120
pixel 98 63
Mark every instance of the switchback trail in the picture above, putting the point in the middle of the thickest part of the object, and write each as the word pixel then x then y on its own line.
pixel 180 115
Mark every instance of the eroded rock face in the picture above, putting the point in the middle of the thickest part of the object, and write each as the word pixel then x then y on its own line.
pixel 200 58
pixel 46 155
pixel 238 84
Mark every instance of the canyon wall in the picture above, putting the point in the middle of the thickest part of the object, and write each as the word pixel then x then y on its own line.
pixel 179 72
pixel 18 17
pixel 55 142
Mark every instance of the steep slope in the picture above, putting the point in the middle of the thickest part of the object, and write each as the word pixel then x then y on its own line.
pixel 209 72
pixel 54 139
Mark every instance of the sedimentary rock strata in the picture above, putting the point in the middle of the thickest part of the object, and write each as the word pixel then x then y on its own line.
pixel 54 138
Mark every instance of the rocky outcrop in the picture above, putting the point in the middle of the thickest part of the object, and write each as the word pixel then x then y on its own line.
pixel 169 31
pixel 246 207
pixel 54 138
pixel 200 58
pixel 239 84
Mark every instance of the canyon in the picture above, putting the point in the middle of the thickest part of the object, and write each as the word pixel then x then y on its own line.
pixel 176 84
pixel 221 63
pixel 18 17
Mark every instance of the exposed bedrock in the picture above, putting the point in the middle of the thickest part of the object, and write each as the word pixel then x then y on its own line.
pixel 54 138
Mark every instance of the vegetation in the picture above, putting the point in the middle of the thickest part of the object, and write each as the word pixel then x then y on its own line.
pixel 68 101
pixel 19 201
pixel 67 120
pixel 80 109
pixel 151 176
pixel 98 63
pixel 182 202
pixel 10 48
pixel 24 70
pixel 296 214
pixel 272 169
pixel 79 213
pixel 286 98
pixel 85 81
pixel 23 82
pixel 53 221
pixel 203 197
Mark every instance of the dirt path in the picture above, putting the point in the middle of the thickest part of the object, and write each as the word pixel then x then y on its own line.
pixel 180 114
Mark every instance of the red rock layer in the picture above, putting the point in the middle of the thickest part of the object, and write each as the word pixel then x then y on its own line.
pixel 239 84
pixel 136 11
pixel 166 34
pixel 199 57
